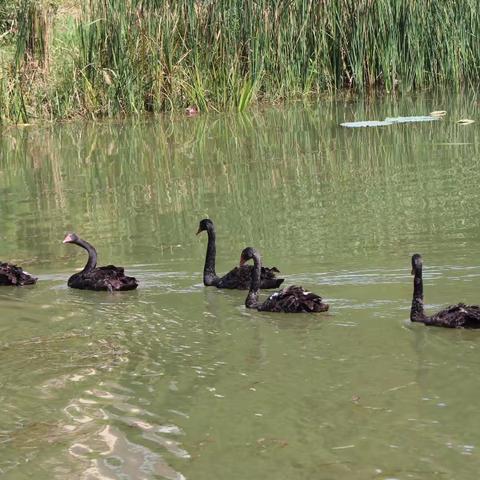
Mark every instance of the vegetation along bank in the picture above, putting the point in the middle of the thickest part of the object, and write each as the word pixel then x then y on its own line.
pixel 62 59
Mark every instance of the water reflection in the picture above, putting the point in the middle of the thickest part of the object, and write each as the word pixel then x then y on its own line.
pixel 139 186
pixel 175 380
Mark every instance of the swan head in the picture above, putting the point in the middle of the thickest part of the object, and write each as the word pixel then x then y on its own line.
pixel 205 224
pixel 70 238
pixel 417 263
pixel 247 254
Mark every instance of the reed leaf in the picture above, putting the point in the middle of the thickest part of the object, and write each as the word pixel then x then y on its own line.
pixel 136 56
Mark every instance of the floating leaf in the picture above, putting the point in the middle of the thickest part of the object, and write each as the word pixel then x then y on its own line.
pixel 418 118
pixel 366 123
pixel 389 121
pixel 465 121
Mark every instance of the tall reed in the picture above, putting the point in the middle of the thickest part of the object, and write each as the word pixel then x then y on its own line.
pixel 135 56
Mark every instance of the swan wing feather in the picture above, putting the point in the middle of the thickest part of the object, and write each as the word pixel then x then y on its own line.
pixel 239 278
pixel 457 316
pixel 294 299
pixel 109 278
pixel 13 275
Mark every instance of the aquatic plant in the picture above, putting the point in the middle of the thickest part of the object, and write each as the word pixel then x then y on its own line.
pixel 110 58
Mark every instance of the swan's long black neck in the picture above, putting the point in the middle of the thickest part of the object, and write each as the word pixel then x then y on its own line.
pixel 252 297
pixel 209 275
pixel 92 255
pixel 416 313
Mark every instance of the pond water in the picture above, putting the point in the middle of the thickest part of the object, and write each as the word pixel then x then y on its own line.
pixel 175 380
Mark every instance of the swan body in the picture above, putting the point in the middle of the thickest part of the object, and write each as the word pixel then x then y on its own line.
pixel 110 277
pixel 454 316
pixel 12 275
pixel 293 299
pixel 238 278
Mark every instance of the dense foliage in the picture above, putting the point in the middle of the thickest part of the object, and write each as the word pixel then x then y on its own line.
pixel 113 57
pixel 8 9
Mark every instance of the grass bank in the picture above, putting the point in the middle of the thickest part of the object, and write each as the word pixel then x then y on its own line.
pixel 120 57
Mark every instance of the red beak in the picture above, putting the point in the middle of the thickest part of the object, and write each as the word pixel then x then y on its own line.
pixel 198 231
pixel 242 261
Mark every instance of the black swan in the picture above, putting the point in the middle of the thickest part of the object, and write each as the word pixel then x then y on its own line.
pixel 98 278
pixel 240 277
pixel 454 316
pixel 13 275
pixel 289 300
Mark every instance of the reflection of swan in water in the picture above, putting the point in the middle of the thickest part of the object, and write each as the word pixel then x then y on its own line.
pixel 237 278
pixel 454 316
pixel 289 300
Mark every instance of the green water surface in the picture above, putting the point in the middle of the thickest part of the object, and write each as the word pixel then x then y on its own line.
pixel 176 380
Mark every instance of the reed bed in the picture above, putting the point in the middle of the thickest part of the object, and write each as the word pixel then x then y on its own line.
pixel 121 57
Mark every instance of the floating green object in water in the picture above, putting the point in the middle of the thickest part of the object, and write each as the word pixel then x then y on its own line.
pixel 418 118
pixel 390 121
pixel 366 123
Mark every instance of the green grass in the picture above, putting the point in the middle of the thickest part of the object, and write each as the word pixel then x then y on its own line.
pixel 115 57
